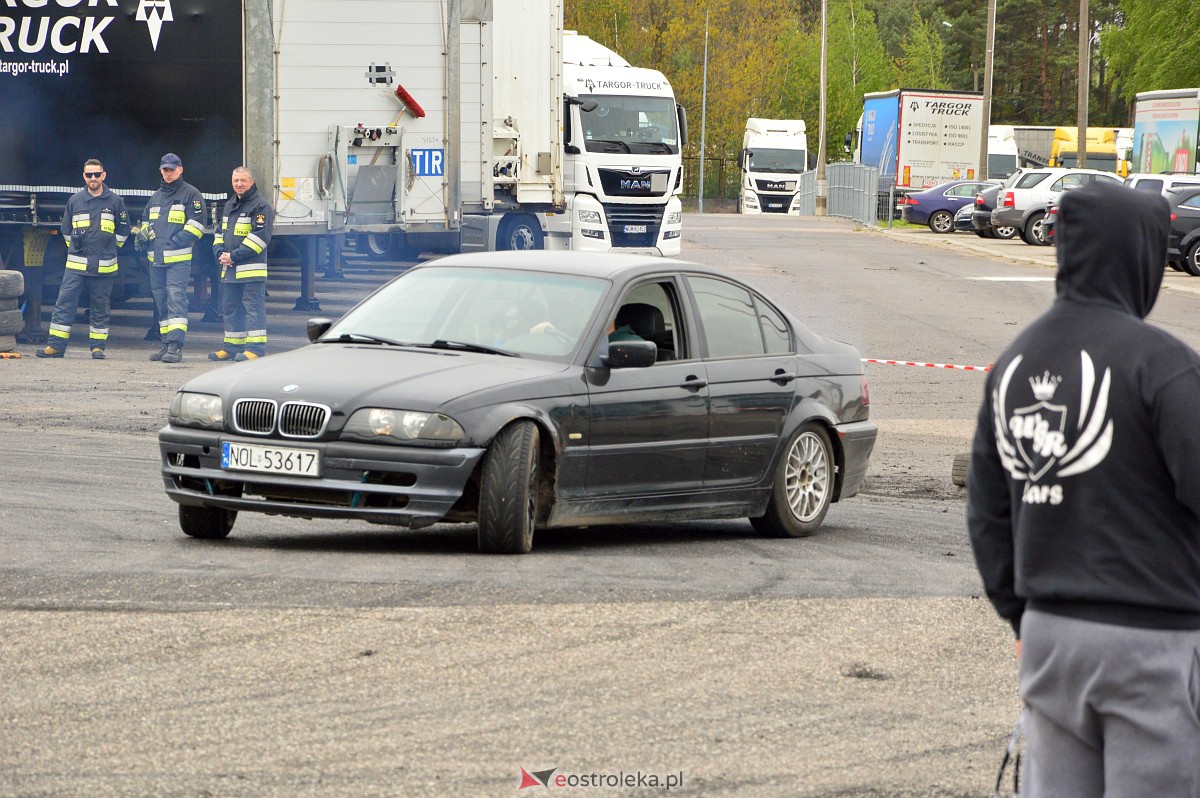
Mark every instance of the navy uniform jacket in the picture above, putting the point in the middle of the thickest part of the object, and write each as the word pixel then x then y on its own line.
pixel 245 233
pixel 176 214
pixel 94 228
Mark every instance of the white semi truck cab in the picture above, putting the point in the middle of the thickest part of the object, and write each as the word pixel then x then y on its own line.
pixel 623 137
pixel 774 153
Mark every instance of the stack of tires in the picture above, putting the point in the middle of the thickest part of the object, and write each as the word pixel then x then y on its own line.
pixel 12 285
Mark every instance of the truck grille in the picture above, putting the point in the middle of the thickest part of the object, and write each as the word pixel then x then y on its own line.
pixel 624 222
pixel 774 203
pixel 625 183
pixel 294 419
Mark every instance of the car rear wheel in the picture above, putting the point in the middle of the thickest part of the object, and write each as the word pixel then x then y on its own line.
pixel 803 487
pixel 1035 230
pixel 206 522
pixel 941 222
pixel 1191 263
pixel 509 493
pixel 1004 233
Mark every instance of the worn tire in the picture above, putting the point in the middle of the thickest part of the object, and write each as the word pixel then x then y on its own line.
pixel 9 303
pixel 12 284
pixel 941 222
pixel 8 343
pixel 959 468
pixel 803 486
pixel 508 495
pixel 1191 264
pixel 210 523
pixel 11 322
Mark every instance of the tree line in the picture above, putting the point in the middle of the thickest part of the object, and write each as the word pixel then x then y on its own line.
pixel 764 56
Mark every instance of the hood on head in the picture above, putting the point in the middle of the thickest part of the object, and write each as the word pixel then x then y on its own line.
pixel 1112 245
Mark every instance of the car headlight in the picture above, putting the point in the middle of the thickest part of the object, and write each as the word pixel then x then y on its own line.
pixel 384 424
pixel 676 217
pixel 589 217
pixel 196 410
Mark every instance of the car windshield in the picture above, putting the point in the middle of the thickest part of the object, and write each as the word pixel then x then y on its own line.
pixel 506 312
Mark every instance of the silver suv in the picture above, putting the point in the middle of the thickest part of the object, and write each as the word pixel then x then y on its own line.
pixel 1163 182
pixel 1023 204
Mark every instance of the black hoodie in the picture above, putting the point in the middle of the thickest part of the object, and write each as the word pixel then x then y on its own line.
pixel 1084 488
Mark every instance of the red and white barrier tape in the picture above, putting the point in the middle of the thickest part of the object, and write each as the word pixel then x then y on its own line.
pixel 928 365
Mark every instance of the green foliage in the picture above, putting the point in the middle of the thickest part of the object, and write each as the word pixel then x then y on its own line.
pixel 1155 47
pixel 921 63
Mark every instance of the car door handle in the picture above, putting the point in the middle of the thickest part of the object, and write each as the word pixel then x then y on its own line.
pixel 694 382
pixel 783 377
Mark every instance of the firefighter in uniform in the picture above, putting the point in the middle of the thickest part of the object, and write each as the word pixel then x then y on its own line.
pixel 173 223
pixel 240 244
pixel 95 224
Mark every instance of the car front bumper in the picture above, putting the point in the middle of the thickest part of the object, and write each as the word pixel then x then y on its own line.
pixel 379 483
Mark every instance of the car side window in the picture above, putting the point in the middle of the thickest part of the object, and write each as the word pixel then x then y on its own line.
pixel 1032 179
pixel 776 334
pixel 649 312
pixel 729 318
pixel 1191 204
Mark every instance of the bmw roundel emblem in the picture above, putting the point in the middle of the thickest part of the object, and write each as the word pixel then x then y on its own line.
pixel 291 388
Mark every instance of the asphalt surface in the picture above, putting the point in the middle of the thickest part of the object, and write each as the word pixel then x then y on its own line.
pixel 363 662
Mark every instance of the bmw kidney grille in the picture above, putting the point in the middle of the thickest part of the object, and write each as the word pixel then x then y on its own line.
pixel 293 419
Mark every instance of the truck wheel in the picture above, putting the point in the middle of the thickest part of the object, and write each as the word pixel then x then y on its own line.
pixel 210 523
pixel 509 493
pixel 803 486
pixel 12 284
pixel 521 233
pixel 1192 262
pixel 374 245
pixel 1035 230
pixel 941 222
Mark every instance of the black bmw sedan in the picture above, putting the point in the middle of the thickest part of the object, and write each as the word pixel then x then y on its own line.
pixel 529 390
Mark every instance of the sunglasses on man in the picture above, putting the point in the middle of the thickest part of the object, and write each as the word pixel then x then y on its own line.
pixel 92 174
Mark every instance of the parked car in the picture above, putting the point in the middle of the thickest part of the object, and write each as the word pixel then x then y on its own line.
pixel 1183 243
pixel 962 219
pixel 1023 204
pixel 485 388
pixel 1161 182
pixel 981 215
pixel 936 206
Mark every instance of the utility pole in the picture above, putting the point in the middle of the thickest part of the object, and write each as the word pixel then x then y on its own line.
pixel 989 52
pixel 1085 77
pixel 703 113
pixel 822 182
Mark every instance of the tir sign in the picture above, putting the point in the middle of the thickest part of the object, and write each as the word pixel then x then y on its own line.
pixel 428 163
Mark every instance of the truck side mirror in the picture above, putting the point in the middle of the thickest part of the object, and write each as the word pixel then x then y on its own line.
pixel 742 159
pixel 681 112
pixel 848 143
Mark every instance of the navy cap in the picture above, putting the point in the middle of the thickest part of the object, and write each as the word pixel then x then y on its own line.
pixel 171 160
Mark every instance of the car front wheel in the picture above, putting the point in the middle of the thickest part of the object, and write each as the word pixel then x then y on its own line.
pixel 1192 262
pixel 206 522
pixel 941 222
pixel 509 493
pixel 803 487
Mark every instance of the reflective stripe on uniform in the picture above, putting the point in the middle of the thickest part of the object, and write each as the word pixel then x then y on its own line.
pixel 236 338
pixel 247 271
pixel 98 335
pixel 194 227
pixel 256 337
pixel 108 266
pixel 176 255
pixel 60 330
pixel 108 222
pixel 153 213
pixel 81 220
pixel 77 262
pixel 241 228
pixel 255 243
pixel 169 325
pixel 176 215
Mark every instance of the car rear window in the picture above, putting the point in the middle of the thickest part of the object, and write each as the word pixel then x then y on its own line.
pixel 1149 185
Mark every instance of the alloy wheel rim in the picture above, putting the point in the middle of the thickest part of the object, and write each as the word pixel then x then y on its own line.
pixel 806 478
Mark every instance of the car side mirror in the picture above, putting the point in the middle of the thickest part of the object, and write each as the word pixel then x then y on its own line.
pixel 631 354
pixel 317 328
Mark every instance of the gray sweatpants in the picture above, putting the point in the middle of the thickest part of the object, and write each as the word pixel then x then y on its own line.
pixel 1113 711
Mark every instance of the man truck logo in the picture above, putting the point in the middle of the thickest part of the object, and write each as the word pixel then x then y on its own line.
pixel 639 185
pixel 154 13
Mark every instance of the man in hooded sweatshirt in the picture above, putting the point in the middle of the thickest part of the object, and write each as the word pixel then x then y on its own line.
pixel 1084 513
pixel 174 222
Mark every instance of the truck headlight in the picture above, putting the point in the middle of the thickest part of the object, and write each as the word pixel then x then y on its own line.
pixel 385 424
pixel 675 217
pixel 196 410
pixel 590 217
